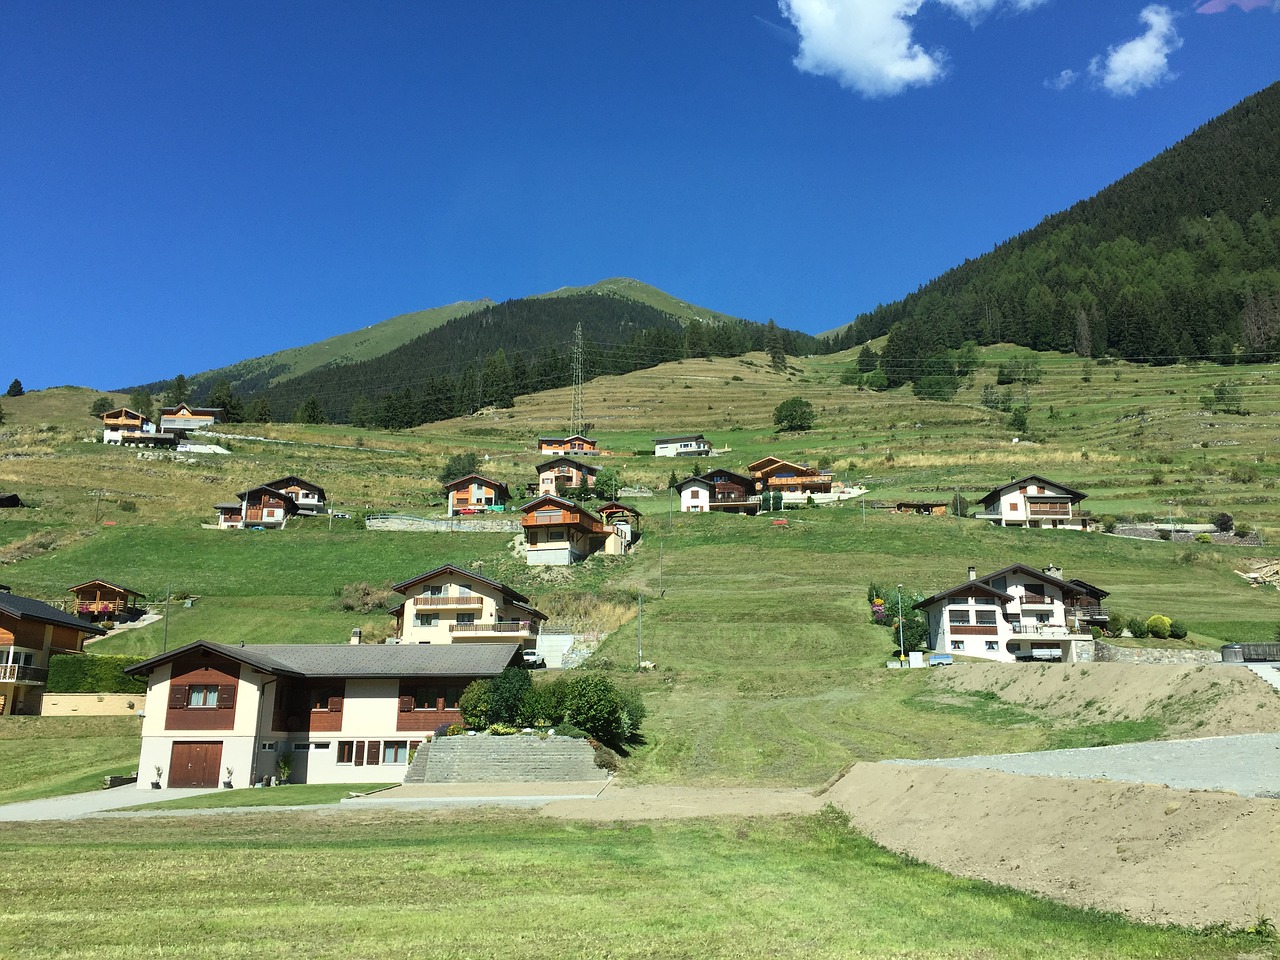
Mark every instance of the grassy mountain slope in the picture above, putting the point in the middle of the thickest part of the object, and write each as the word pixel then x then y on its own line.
pixel 629 289
pixel 1165 259
pixel 257 373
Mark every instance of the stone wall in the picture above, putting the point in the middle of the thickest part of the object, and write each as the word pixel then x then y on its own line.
pixel 456 525
pixel 517 759
pixel 1107 653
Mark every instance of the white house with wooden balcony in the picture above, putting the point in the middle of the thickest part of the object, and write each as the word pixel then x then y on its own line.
pixel 558 532
pixel 1035 501
pixel 129 428
pixel 261 508
pixel 1016 613
pixel 308 496
pixel 452 605
pixel 30 632
pixel 719 491
pixel 184 418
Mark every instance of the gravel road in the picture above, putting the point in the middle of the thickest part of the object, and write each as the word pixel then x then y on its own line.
pixel 1248 765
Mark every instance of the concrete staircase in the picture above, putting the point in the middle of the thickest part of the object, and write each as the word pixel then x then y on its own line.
pixel 515 759
pixel 1269 672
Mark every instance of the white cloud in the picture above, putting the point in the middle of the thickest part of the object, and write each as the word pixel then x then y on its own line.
pixel 868 45
pixel 1143 61
pixel 1063 80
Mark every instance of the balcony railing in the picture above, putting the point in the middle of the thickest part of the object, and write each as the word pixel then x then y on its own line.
pixel 973 630
pixel 448 603
pixel 520 628
pixel 1036 600
pixel 1090 613
pixel 17 673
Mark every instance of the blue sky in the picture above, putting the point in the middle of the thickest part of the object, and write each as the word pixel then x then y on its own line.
pixel 185 185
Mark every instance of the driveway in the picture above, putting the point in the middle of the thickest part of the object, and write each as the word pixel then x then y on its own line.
pixel 74 806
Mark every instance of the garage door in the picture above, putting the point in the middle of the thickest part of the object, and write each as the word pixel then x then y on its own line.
pixel 195 764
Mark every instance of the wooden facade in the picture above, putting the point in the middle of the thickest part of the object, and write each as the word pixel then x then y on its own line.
pixel 99 599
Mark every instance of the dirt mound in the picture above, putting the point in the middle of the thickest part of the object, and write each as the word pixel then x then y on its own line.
pixel 1192 701
pixel 1154 854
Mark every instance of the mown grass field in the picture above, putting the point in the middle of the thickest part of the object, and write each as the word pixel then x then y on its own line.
pixel 52 756
pixel 397 885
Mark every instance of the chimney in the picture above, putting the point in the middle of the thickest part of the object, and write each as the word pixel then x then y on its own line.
pixel 1053 570
pixel 973 573
pixel 355 636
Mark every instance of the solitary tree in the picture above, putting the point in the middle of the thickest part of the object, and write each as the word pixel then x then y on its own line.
pixel 310 411
pixel 457 466
pixel 15 388
pixel 608 483
pixel 773 346
pixel 794 414
pixel 178 391
pixel 100 406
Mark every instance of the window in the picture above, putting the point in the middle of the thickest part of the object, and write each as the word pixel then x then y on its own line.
pixel 957 644
pixel 986 618
pixel 466 618
pixel 346 751
pixel 958 617
pixel 992 645
pixel 395 751
pixel 202 695
pixel 557 534
pixel 301 747
pixel 426 619
pixel 321 697
pixel 323 745
pixel 267 746
pixel 436 591
pixel 428 696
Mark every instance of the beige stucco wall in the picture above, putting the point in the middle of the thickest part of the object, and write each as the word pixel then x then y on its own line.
pixel 92 704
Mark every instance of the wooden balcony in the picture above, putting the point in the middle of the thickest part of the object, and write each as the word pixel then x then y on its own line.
pixel 472 601
pixel 972 630
pixel 1040 510
pixel 1090 613
pixel 1037 600
pixel 17 673
pixel 507 629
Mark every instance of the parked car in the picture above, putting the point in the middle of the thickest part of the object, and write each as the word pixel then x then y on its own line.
pixel 533 659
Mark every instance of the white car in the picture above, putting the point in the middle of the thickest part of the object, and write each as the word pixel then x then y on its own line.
pixel 533 659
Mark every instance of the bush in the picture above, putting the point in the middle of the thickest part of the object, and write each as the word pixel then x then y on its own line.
pixel 364 598
pixel 1177 630
pixel 794 414
pixel 1224 522
pixel 633 712
pixel 543 705
pixel 605 758
pixel 475 702
pixel 502 729
pixel 1108 523
pixel 93 673
pixel 1138 628
pixel 506 693
pixel 1243 531
pixel 1164 534
pixel 1158 626
pixel 592 703
pixel 1203 538
pixel 1096 632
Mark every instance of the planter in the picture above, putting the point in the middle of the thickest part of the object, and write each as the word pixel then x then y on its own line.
pixel 155 784
pixel 226 784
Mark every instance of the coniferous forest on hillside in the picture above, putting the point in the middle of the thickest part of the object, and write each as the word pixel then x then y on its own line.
pixel 1179 260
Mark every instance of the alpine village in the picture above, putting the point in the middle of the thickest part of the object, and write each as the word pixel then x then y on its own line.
pixel 622 587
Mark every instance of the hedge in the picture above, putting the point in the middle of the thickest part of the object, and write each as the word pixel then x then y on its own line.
pixel 93 673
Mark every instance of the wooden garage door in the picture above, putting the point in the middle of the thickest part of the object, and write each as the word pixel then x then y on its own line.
pixel 195 764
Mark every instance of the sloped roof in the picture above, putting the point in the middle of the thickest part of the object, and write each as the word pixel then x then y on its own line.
pixel 107 583
pixel 977 585
pixel 295 481
pixel 27 608
pixel 999 491
pixel 1063 585
pixel 289 502
pixel 687 436
pixel 691 481
pixel 721 472
pixel 613 506
pixel 497 485
pixel 576 436
pixel 344 660
pixel 457 572
pixel 585 467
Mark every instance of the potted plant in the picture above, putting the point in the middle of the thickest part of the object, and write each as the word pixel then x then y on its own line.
pixel 283 766
pixel 227 782
pixel 155 784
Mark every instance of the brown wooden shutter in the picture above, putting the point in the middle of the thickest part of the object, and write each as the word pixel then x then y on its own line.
pixel 406 704
pixel 359 753
pixel 227 697
pixel 373 754
pixel 335 704
pixel 177 696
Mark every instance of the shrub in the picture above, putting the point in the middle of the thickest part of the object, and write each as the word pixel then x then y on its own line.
pixel 1243 531
pixel 591 702
pixel 474 703
pixel 1096 632
pixel 1108 523
pixel 1177 630
pixel 1138 628
pixel 1164 534
pixel 506 693
pixel 633 712
pixel 1224 522
pixel 1203 538
pixel 364 598
pixel 543 704
pixel 93 673
pixel 502 729
pixel 454 730
pixel 1158 626
pixel 605 758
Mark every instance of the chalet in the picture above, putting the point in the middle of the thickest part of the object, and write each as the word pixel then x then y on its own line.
pixel 792 480
pixel 30 632
pixel 184 418
pixel 476 494
pixel 259 507
pixel 452 605
pixel 1035 502
pixel 102 600
pixel 559 532
pixel 342 713
pixel 1016 613
pixel 129 428
pixel 692 445
pixel 308 496
pixel 562 473
pixel 578 445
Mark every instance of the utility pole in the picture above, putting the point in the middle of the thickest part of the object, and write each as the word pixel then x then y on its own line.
pixel 167 590
pixel 902 654
pixel 639 630
pixel 577 416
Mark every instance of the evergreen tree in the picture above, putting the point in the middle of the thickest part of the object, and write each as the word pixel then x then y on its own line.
pixel 222 396
pixel 140 402
pixel 178 391
pixel 310 411
pixel 867 359
pixel 259 410
pixel 361 413
pixel 774 348
pixel 498 389
pixel 15 388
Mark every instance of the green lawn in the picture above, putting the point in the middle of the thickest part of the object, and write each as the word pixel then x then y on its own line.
pixel 394 885
pixel 288 795
pixel 52 756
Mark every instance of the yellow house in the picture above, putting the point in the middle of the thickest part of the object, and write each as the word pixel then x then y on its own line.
pixel 452 605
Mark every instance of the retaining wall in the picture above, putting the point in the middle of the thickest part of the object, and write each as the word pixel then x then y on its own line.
pixel 1107 653
pixel 457 525
pixel 517 759
pixel 92 704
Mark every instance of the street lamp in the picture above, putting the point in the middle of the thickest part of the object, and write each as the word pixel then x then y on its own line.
pixel 902 655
